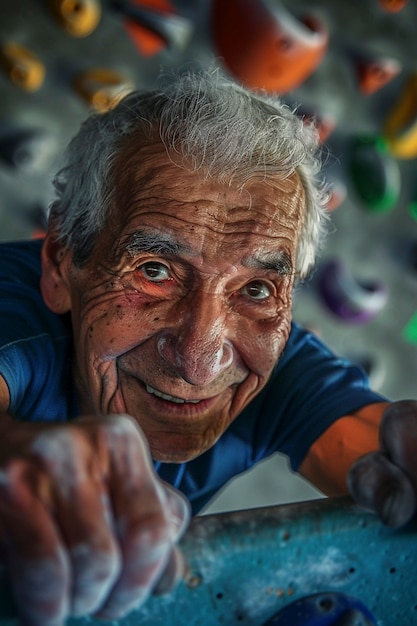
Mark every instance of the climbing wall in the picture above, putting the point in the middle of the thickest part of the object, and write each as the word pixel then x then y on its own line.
pixel 351 65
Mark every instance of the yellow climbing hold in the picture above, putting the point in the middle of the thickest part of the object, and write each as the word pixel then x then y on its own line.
pixel 102 88
pixel 79 17
pixel 22 67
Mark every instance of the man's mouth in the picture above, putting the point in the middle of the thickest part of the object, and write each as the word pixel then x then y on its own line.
pixel 166 396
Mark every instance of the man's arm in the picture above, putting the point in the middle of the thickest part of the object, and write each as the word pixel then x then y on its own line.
pixel 329 459
pixel 86 526
pixel 373 455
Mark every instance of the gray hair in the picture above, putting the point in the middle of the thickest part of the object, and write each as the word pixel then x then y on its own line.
pixel 206 122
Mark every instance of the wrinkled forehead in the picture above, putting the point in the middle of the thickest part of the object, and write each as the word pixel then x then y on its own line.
pixel 151 171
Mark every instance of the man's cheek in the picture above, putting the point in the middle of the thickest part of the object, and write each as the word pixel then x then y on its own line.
pixel 109 337
pixel 266 348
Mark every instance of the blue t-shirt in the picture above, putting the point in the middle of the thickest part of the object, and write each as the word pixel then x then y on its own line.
pixel 310 388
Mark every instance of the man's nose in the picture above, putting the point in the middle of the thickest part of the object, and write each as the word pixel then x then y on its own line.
pixel 197 346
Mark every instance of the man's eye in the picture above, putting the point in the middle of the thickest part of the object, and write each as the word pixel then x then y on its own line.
pixel 256 290
pixel 156 272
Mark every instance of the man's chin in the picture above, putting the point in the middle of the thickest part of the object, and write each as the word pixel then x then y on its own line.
pixel 178 456
pixel 175 451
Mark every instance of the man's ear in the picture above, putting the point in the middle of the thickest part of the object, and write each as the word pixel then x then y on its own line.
pixel 55 286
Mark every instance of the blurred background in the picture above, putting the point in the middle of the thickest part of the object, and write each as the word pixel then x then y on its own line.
pixel 350 65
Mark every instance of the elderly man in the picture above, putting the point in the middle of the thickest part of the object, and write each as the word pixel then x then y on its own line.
pixel 147 352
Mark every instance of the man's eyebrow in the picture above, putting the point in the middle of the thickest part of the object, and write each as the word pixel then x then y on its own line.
pixel 279 262
pixel 156 242
pixel 153 242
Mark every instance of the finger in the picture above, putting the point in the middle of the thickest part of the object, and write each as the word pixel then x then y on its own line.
pixel 82 513
pixel 179 515
pixel 380 486
pixel 142 515
pixel 399 436
pixel 173 573
pixel 179 510
pixel 37 564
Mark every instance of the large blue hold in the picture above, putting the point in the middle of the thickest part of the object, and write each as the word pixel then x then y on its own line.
pixel 324 609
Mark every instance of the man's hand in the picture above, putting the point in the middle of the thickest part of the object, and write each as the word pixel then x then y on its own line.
pixel 86 526
pixel 386 481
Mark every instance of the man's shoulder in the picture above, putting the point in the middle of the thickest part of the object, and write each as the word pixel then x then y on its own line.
pixel 23 313
pixel 35 343
pixel 20 261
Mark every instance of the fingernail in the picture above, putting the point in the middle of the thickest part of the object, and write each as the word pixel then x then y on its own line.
pixel 397 511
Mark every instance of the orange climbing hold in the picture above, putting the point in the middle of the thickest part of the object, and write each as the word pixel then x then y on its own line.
pixel 265 46
pixel 373 74
pixel 148 42
pixel 392 6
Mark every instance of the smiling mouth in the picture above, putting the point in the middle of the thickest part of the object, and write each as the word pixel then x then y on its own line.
pixel 166 396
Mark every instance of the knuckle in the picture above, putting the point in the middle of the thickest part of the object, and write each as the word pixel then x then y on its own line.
pixel 20 483
pixel 57 445
pixel 99 565
pixel 14 471
pixel 128 453
pixel 148 537
pixel 124 427
pixel 63 454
